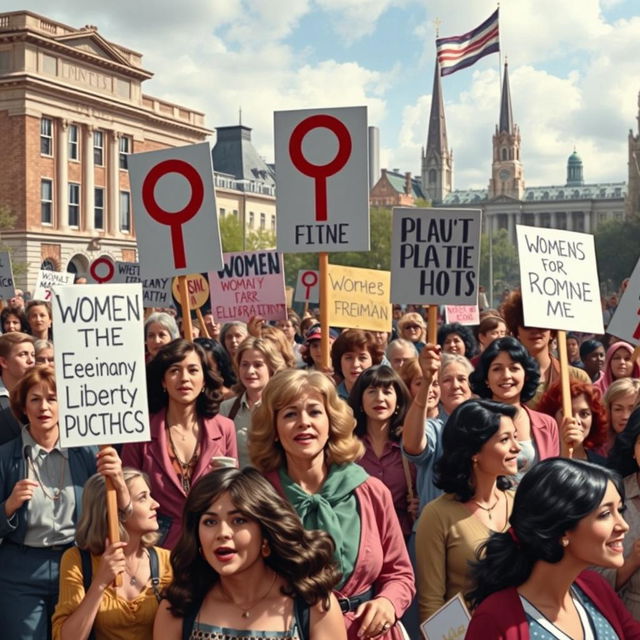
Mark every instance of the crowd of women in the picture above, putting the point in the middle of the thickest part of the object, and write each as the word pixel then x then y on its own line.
pixel 280 498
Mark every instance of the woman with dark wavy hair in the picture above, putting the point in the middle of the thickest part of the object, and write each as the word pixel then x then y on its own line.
pixel 479 451
pixel 245 567
pixel 507 373
pixel 187 434
pixel 456 338
pixel 379 400
pixel 221 364
pixel 586 431
pixel 532 583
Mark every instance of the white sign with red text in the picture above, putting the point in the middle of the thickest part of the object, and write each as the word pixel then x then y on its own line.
pixel 322 180
pixel 47 279
pixel 174 205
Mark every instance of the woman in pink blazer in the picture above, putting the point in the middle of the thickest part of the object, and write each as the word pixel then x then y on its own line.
pixel 187 434
pixel 302 440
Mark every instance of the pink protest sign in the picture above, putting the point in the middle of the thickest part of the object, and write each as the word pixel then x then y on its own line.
pixel 464 314
pixel 250 284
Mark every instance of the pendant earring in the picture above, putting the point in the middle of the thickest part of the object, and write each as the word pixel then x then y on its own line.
pixel 266 549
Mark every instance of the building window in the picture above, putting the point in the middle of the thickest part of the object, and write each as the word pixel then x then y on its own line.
pixel 602 217
pixel 125 150
pixel 46 137
pixel 561 220
pixel 252 219
pixel 433 176
pixel 74 153
pixel 577 221
pixel 263 221
pixel 98 148
pixel 504 154
pixel 222 212
pixel 235 213
pixel 273 224
pixel 529 219
pixel 503 221
pixel 46 201
pixel 125 211
pixel 74 204
pixel 98 208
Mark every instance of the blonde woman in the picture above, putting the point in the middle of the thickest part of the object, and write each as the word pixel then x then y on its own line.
pixel 120 612
pixel 302 439
pixel 412 327
pixel 620 400
pixel 255 361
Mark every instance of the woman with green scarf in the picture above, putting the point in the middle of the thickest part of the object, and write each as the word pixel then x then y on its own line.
pixel 302 440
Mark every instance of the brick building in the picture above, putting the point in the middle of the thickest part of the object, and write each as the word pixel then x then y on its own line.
pixel 71 111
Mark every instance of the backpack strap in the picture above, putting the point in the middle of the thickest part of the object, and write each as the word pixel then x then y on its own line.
pixel 187 624
pixel 85 558
pixel 302 617
pixel 235 407
pixel 155 572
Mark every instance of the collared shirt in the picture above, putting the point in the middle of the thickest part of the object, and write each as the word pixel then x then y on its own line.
pixel 242 422
pixel 49 521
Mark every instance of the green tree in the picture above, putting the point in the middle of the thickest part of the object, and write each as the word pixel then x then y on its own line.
pixel 506 271
pixel 230 233
pixel 617 247
pixel 8 223
pixel 261 239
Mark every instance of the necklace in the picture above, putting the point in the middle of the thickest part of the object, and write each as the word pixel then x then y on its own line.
pixel 488 509
pixel 185 476
pixel 57 491
pixel 183 435
pixel 133 581
pixel 246 611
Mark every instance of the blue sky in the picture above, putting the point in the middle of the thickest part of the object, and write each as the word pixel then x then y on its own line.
pixel 574 71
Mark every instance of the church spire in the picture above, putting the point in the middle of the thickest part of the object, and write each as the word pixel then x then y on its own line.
pixel 436 159
pixel 506 116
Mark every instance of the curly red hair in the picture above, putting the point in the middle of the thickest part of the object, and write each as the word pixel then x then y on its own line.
pixel 551 403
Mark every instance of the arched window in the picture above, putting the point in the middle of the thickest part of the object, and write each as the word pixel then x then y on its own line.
pixel 433 176
pixel 48 265
pixel 504 154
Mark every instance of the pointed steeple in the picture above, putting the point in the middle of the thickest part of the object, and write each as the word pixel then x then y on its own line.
pixel 437 134
pixel 506 116
pixel 437 170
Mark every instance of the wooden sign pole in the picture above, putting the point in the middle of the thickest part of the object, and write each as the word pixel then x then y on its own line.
pixel 432 323
pixel 324 308
pixel 187 328
pixel 113 523
pixel 203 327
pixel 567 410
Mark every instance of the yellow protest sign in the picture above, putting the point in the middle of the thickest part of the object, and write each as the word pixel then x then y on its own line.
pixel 198 289
pixel 359 298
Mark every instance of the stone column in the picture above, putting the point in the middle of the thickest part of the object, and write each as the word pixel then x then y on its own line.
pixel 62 183
pixel 112 224
pixel 88 174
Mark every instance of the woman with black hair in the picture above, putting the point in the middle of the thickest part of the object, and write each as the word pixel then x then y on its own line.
pixel 220 363
pixel 480 451
pixel 592 354
pixel 379 400
pixel 623 458
pixel 12 319
pixel 456 338
pixel 244 567
pixel 507 373
pixel 187 434
pixel 532 583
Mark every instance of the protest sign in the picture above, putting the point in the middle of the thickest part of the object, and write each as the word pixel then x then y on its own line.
pixel 307 286
pixel 175 211
pixel 450 622
pixel 359 298
pixel 156 292
pixel 463 314
pixel 435 256
pixel 559 280
pixel 47 279
pixel 197 287
pixel 102 270
pixel 625 323
pixel 7 287
pixel 322 180
pixel 100 367
pixel 250 284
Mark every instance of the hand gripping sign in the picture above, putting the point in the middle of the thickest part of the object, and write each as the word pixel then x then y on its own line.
pixel 175 211
pixel 323 190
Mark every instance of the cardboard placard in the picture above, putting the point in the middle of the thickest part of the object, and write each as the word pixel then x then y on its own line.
pixel 559 280
pixel 435 256
pixel 102 271
pixel 359 298
pixel 250 284
pixel 175 211
pixel 462 314
pixel 156 292
pixel 450 622
pixel 100 366
pixel 7 285
pixel 625 323
pixel 307 286
pixel 322 176
pixel 47 279
pixel 197 288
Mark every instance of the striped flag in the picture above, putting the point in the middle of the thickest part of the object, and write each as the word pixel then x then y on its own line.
pixel 458 52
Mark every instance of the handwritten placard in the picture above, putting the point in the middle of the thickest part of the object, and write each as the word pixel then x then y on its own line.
pixel 435 255
pixel 7 286
pixel 156 292
pixel 559 280
pixel 100 367
pixel 250 284
pixel 450 622
pixel 462 314
pixel 625 323
pixel 47 279
pixel 359 298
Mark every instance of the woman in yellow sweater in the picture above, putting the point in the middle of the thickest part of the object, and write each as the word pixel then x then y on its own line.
pixel 480 449
pixel 104 611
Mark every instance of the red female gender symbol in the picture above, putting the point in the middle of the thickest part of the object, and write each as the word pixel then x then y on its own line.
pixel 309 285
pixel 321 172
pixel 176 219
pixel 94 271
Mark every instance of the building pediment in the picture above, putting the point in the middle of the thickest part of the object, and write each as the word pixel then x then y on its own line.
pixel 503 199
pixel 89 41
